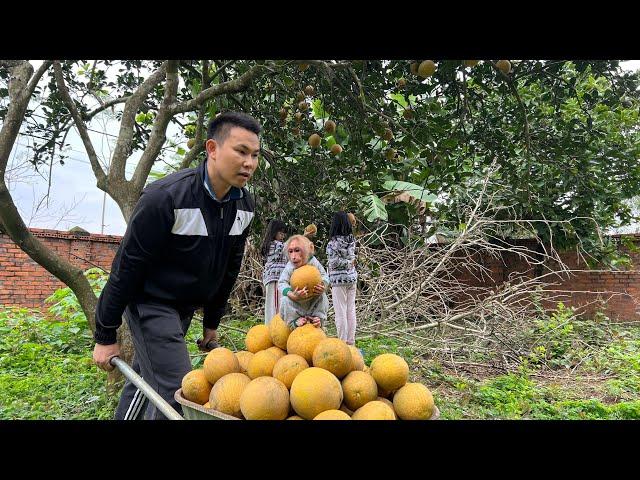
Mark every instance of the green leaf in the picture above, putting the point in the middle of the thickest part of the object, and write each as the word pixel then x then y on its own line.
pixel 343 185
pixel 412 189
pixel 374 208
pixel 196 361
pixel 318 109
pixel 398 97
pixel 195 88
pixel 212 110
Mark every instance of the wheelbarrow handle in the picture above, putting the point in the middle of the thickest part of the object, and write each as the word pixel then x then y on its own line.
pixel 146 389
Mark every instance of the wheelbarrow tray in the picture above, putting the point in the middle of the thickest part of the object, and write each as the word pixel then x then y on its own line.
pixel 195 411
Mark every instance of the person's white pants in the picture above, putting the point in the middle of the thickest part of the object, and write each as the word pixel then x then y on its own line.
pixel 272 301
pixel 344 307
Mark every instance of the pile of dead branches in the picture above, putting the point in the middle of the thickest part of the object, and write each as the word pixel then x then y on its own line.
pixel 442 299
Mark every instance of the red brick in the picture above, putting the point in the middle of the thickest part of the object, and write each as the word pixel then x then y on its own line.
pixel 23 282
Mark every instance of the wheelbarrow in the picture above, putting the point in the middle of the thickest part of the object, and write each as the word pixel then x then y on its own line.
pixel 191 410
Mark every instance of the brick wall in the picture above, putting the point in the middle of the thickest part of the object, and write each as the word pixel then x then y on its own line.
pixel 23 282
pixel 616 293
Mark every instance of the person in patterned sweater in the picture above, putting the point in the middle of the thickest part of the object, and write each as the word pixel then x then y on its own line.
pixel 343 275
pixel 272 250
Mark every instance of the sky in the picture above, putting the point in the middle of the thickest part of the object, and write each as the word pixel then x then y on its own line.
pixel 74 199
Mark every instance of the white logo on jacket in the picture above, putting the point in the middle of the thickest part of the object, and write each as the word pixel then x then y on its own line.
pixel 189 221
pixel 242 221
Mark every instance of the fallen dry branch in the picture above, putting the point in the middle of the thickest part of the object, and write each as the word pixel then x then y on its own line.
pixel 444 300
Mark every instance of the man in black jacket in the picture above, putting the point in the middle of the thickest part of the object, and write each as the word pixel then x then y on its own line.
pixel 182 250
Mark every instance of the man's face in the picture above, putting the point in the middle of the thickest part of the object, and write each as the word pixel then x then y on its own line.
pixel 233 162
pixel 297 255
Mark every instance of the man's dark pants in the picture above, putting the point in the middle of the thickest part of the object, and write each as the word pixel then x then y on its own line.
pixel 161 357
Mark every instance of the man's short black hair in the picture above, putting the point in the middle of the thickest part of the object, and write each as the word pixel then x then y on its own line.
pixel 219 127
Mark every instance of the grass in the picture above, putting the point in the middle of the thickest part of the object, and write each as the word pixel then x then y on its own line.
pixel 47 371
pixel 576 369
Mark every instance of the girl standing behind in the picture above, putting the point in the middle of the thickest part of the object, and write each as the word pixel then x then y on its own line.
pixel 342 275
pixel 272 250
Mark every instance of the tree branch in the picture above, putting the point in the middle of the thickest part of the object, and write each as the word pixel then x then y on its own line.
pixel 81 126
pixel 232 86
pixel 122 149
pixel 159 130
pixel 19 100
pixel 10 63
pixel 19 95
pixel 199 144
pixel 104 106
pixel 36 78
pixel 514 90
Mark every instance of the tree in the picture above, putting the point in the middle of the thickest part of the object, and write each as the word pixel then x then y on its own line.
pixel 62 112
pixel 564 134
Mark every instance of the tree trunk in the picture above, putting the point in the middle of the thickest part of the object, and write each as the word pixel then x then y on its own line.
pixel 127 203
pixel 21 86
pixel 115 378
pixel 126 193
pixel 20 93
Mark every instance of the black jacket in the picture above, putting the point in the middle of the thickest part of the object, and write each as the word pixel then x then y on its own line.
pixel 181 248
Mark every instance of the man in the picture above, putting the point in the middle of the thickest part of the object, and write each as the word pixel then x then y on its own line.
pixel 182 250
